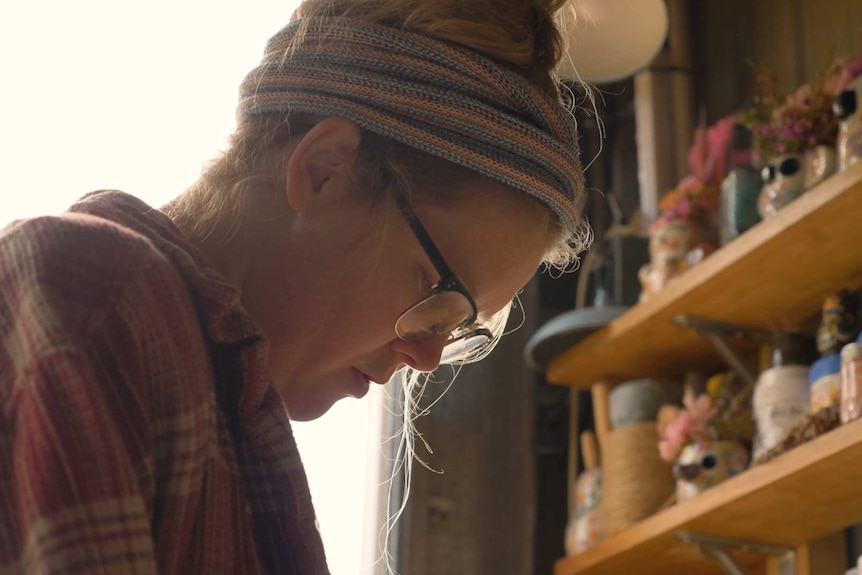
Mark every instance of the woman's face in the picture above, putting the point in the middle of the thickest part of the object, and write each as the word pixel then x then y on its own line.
pixel 329 298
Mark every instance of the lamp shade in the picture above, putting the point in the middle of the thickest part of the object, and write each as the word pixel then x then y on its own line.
pixel 611 39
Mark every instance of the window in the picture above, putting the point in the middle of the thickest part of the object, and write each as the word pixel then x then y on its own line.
pixel 137 97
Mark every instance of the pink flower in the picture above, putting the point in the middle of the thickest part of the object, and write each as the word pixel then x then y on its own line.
pixel 803 118
pixel 689 424
pixel 669 451
pixel 684 429
pixel 707 158
pixel 801 97
pixel 700 407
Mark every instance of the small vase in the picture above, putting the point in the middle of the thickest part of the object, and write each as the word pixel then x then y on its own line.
pixel 783 182
pixel 704 464
pixel 848 109
pixel 584 529
pixel 738 204
pixel 819 165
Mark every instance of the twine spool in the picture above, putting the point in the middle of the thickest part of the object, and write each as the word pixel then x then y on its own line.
pixel 639 400
pixel 636 481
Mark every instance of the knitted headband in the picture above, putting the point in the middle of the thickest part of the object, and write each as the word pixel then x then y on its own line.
pixel 436 96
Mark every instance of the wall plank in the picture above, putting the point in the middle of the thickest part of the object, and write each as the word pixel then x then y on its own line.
pixel 795 39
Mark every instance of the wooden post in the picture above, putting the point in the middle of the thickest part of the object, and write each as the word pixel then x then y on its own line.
pixel 682 86
pixel 655 170
pixel 664 113
pixel 828 556
pixel 574 431
pixel 590 451
pixel 601 412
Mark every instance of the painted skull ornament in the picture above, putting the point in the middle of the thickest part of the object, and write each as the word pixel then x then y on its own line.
pixel 783 182
pixel 704 464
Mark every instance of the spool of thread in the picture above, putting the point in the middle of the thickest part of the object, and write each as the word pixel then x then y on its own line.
pixel 639 400
pixel 781 401
pixel 636 481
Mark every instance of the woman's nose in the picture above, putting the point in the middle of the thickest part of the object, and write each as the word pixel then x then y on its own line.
pixel 422 354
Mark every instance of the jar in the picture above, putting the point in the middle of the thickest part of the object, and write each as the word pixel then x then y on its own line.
pixel 825 382
pixel 738 202
pixel 851 382
pixel 781 401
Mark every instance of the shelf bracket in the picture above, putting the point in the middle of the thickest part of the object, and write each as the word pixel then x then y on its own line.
pixel 716 332
pixel 719 549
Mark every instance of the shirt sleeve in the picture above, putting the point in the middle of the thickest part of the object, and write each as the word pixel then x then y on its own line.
pixel 75 433
pixel 72 498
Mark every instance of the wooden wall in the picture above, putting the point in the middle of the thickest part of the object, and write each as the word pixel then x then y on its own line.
pixel 793 38
pixel 478 515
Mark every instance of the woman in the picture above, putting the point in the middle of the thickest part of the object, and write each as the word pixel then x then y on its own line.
pixel 399 170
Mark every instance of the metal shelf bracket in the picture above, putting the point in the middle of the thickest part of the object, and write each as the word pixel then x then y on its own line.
pixel 719 549
pixel 717 333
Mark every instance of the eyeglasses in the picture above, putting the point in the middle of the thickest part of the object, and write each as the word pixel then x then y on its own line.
pixel 449 311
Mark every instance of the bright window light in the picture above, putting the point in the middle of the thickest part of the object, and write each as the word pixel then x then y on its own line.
pixel 138 96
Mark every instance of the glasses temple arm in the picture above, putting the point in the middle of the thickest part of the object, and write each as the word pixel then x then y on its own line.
pixel 422 235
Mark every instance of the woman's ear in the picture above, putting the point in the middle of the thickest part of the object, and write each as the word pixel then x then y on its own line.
pixel 324 155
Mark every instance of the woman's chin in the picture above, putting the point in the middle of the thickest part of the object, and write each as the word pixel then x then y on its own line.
pixel 308 408
pixel 306 411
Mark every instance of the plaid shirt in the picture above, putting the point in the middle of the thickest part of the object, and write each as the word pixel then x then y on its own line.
pixel 139 432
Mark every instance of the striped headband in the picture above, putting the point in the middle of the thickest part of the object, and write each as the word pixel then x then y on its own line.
pixel 435 96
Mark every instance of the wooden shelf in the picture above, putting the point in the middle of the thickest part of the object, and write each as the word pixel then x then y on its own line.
pixel 772 277
pixel 804 495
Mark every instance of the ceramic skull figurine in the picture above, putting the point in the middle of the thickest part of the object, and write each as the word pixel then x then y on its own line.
pixel 839 322
pixel 783 182
pixel 848 108
pixel 704 464
pixel 670 242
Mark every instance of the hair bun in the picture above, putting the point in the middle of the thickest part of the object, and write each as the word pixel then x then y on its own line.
pixel 521 34
pixel 548 42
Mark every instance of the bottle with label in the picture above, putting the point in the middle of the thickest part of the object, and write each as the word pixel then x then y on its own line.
pixel 851 382
pixel 781 401
pixel 825 383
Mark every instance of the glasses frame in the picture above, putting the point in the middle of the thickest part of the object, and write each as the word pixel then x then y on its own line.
pixel 448 280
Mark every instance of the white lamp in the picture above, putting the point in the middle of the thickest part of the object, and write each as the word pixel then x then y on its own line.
pixel 612 39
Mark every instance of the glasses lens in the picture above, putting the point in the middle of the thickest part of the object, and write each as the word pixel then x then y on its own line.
pixel 465 347
pixel 436 316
